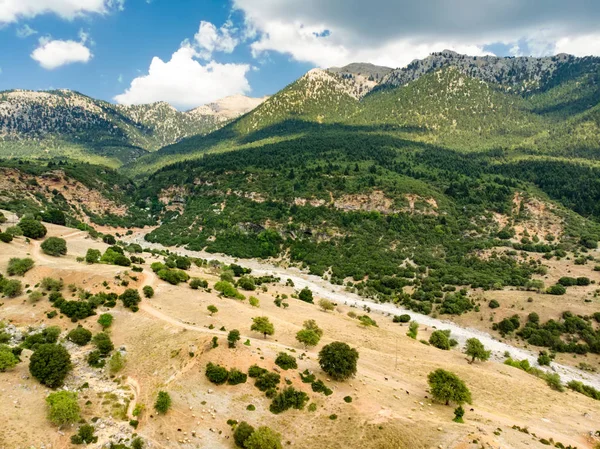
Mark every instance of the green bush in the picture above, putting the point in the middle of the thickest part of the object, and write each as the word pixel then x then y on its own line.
pixel 85 435
pixel 7 358
pixel 440 340
pixel 50 364
pixel 163 402
pixel 228 290
pixel 12 288
pixel 286 361
pixel 32 228
pixel 267 380
pixel 556 290
pixel 54 246
pixel 5 237
pixel 63 408
pixel 263 438
pixel 236 377
pixel 288 398
pixel 306 295
pixel 52 285
pixel 493 304
pixel 92 256
pixel 148 291
pixel 401 318
pixel 18 267
pixel 256 371
pixel 103 343
pixel 216 374
pixel 196 283
pixel 131 298
pixel 105 320
pixel 80 336
pixel 241 433
pixel 447 387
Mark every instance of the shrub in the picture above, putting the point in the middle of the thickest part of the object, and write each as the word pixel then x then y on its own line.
pixel 319 387
pixel 556 290
pixel 306 295
pixel 263 438
pixel 493 304
pixel 148 291
pixel 163 402
pixel 63 408
pixel 54 246
pixel 50 364
pixel 263 325
pixel 116 363
pixel 544 359
pixel 448 387
pixel 93 255
pixel 440 340
pixel 338 360
pixel 85 435
pixel 131 299
pixel 326 305
pixel 367 321
pixel 584 389
pixel 5 237
pixel 233 337
pixel 401 318
pixel 254 301
pixel 52 285
pixel 212 309
pixel 216 374
pixel 32 228
pixel 7 358
pixel 475 349
pixel 286 361
pixel 80 336
pixel 103 343
pixel 196 283
pixel 246 283
pixel 241 434
pixel 35 296
pixel 267 380
pixel 554 382
pixel 508 325
pixel 256 371
pixel 228 290
pixel 94 359
pixel 348 399
pixel 105 320
pixel 18 267
pixel 236 377
pixel 413 330
pixel 288 398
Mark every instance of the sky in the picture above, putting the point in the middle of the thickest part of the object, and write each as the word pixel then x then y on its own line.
pixel 192 52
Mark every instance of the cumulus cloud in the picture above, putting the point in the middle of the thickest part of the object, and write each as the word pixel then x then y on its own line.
pixel 210 39
pixel 186 83
pixel 13 10
pixel 51 54
pixel 393 32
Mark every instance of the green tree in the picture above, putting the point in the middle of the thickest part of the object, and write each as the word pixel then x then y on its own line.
pixel 103 343
pixel 8 359
pixel 241 433
pixel 148 291
pixel 131 298
pixel 459 412
pixel 105 320
pixel 286 361
pixel 80 336
pixel 109 239
pixel 413 330
pixel 93 255
pixel 50 364
pixel 440 340
pixel 448 387
pixel 12 288
pixel 263 438
pixel 254 301
pixel 116 363
pixel 18 267
pixel 63 408
pixel 338 360
pixel 163 402
pixel 308 337
pixel 475 349
pixel 313 326
pixel 326 305
pixel 212 309
pixel 216 373
pixel 32 228
pixel 233 337
pixel 54 246
pixel 306 295
pixel 85 435
pixel 263 325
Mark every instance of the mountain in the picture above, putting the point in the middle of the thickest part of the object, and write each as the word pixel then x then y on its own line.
pixel 66 123
pixel 365 76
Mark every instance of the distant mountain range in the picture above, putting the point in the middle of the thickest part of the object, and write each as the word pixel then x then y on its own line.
pixel 67 123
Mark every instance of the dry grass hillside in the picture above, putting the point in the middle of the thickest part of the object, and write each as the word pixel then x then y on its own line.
pixel 168 343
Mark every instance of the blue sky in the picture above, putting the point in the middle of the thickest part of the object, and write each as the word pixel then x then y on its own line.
pixel 189 52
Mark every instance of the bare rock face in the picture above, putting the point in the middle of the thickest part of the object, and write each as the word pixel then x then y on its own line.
pixel 228 108
pixel 363 76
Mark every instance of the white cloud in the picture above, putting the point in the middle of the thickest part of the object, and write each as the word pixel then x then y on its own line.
pixel 209 39
pixel 52 54
pixel 13 10
pixel 394 32
pixel 586 45
pixel 186 83
pixel 25 31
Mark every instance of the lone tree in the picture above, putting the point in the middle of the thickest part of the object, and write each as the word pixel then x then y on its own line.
pixel 263 325
pixel 55 246
pixel 63 407
pixel 306 295
pixel 163 402
pixel 446 387
pixel 440 340
pixel 233 337
pixel 326 305
pixel 50 364
pixel 308 337
pixel 338 360
pixel 212 309
pixel 148 291
pixel 263 438
pixel 105 320
pixel 476 350
pixel 131 299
